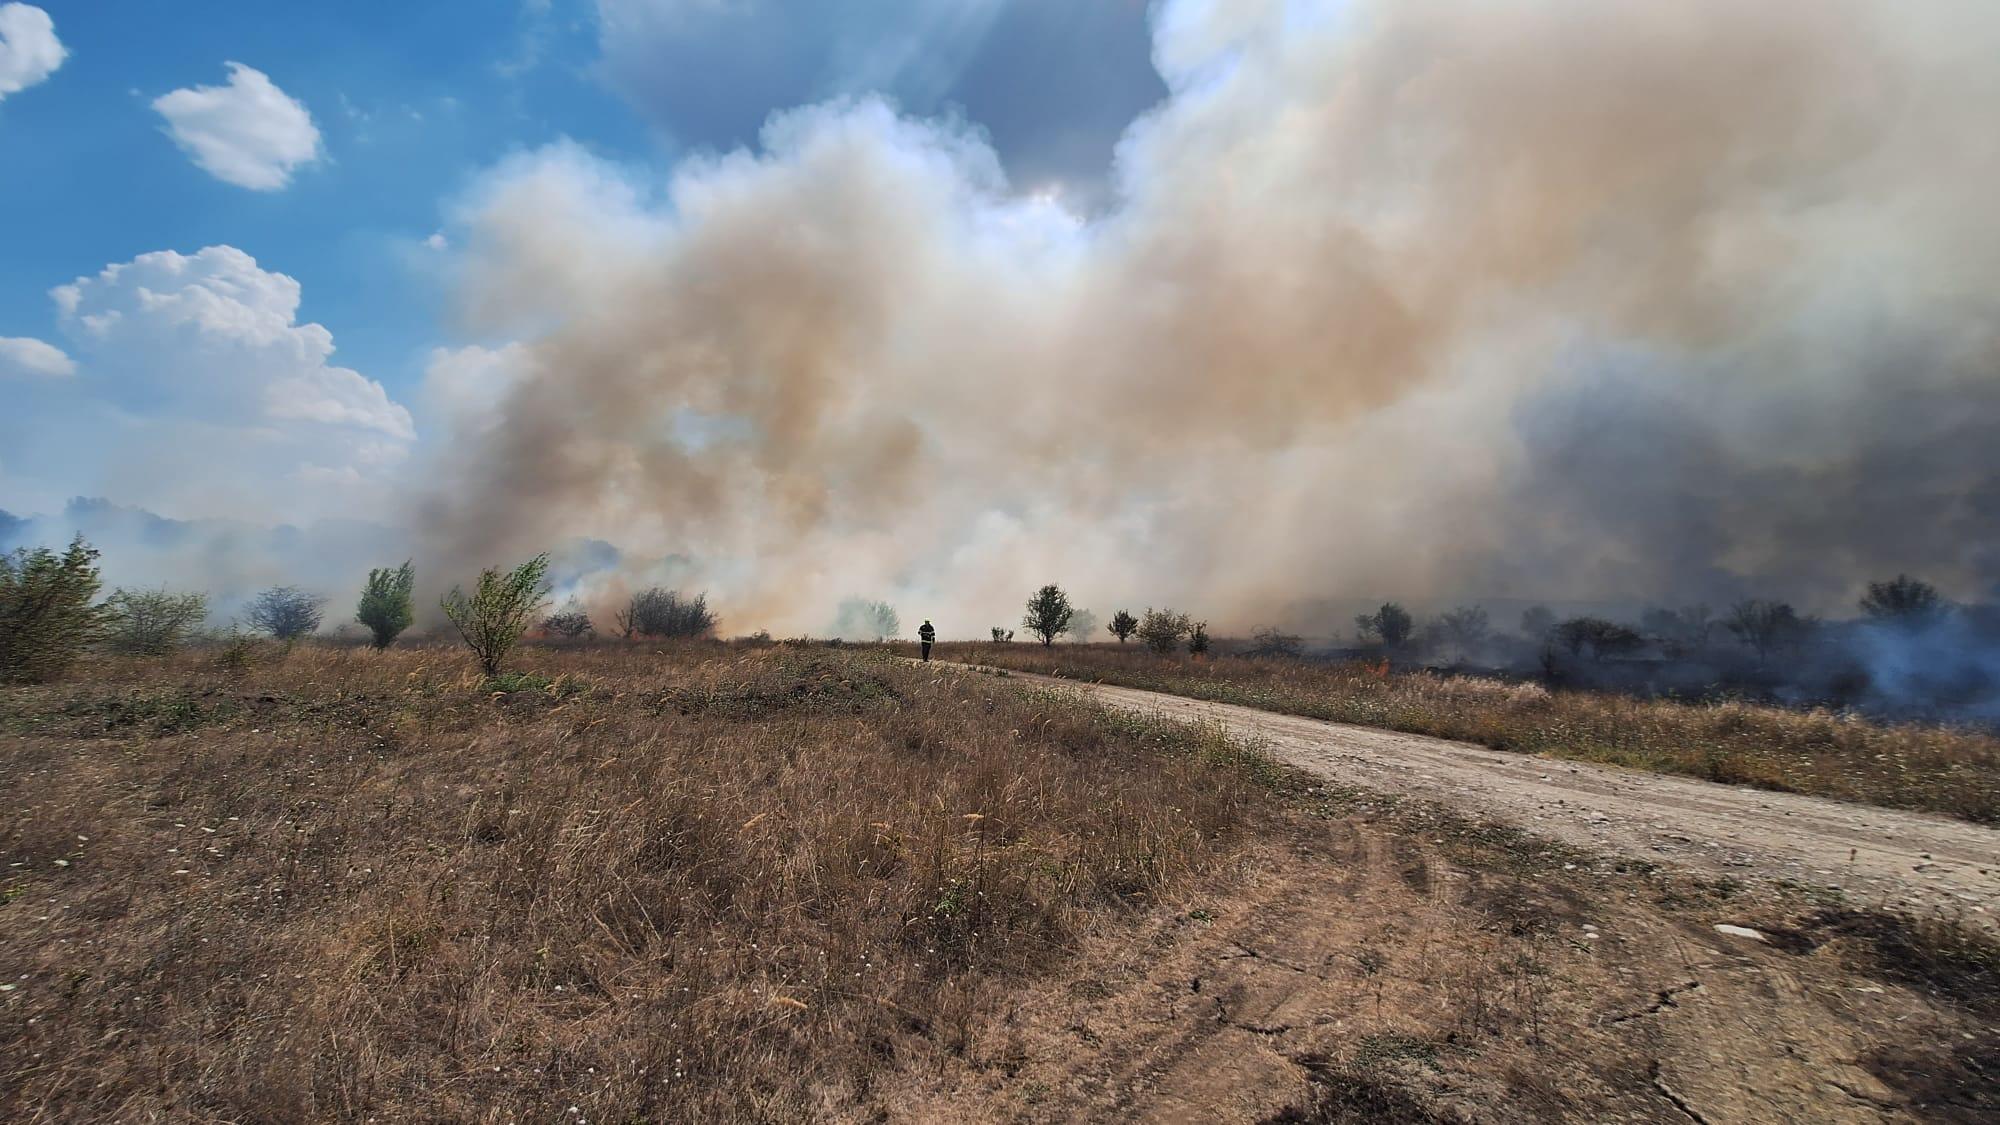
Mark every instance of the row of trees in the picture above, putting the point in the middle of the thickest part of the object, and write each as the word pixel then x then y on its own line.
pixel 1050 615
pixel 50 612
pixel 1764 626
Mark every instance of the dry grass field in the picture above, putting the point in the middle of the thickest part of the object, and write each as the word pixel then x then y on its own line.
pixel 1912 766
pixel 720 883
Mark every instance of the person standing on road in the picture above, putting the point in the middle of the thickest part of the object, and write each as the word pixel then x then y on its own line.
pixel 927 636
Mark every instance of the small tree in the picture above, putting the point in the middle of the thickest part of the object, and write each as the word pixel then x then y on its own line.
pixel 285 612
pixel 1163 629
pixel 1603 638
pixel 1905 601
pixel 1271 641
pixel 1123 625
pixel 1082 623
pixel 1464 629
pixel 492 619
pixel 569 623
pixel 1766 626
pixel 1198 638
pixel 152 622
pixel 46 618
pixel 1048 613
pixel 1002 636
pixel 1392 623
pixel 386 606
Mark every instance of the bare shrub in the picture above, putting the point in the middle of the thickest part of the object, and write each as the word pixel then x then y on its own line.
pixel 1905 601
pixel 285 612
pixel 46 615
pixel 151 622
pixel 493 617
pixel 1002 635
pixel 569 623
pixel 666 614
pixel 1270 641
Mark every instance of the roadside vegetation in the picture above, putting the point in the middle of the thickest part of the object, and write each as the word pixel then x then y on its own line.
pixel 1915 766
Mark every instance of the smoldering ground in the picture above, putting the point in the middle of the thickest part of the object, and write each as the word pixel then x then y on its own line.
pixel 1555 299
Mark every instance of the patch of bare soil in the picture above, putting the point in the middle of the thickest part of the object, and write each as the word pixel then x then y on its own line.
pixel 1371 970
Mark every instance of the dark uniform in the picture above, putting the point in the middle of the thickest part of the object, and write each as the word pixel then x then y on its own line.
pixel 928 636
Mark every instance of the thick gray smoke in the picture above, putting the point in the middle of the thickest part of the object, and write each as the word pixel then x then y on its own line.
pixel 1413 298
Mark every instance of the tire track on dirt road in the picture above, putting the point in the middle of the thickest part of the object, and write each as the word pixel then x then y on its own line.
pixel 1874 856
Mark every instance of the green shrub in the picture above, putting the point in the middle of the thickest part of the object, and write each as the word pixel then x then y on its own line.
pixel 46 615
pixel 151 622
pixel 385 603
pixel 499 610
pixel 1163 629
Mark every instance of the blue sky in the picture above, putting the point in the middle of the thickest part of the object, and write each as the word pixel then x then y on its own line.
pixel 413 103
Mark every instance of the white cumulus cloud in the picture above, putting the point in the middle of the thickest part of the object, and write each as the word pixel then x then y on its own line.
pixel 248 133
pixel 21 355
pixel 29 49
pixel 223 403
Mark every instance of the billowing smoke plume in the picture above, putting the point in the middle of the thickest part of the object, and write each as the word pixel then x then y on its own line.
pixel 1413 298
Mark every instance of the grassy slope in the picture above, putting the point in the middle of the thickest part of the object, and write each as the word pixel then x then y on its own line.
pixel 1904 766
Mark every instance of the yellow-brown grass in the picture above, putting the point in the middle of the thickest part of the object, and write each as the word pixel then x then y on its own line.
pixel 709 883
pixel 1956 772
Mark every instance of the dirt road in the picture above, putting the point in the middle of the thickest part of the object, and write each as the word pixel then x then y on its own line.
pixel 1880 857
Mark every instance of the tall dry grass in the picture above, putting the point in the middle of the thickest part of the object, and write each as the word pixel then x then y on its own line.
pixel 1914 766
pixel 709 883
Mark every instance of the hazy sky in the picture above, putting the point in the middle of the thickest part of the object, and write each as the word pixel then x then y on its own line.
pixel 326 152
pixel 1226 304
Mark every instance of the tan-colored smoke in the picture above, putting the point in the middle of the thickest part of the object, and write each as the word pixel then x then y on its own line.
pixel 1412 298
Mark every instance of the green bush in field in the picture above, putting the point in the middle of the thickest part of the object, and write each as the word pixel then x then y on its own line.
pixel 1163 629
pixel 385 602
pixel 151 622
pixel 46 615
pixel 499 610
